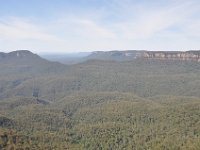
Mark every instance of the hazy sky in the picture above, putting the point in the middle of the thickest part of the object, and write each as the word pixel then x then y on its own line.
pixel 88 25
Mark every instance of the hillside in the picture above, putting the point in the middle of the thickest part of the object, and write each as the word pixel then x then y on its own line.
pixel 20 54
pixel 26 62
pixel 99 104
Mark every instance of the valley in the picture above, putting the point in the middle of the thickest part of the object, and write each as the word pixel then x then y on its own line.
pixel 110 100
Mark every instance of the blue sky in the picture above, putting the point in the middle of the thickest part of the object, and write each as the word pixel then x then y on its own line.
pixel 90 25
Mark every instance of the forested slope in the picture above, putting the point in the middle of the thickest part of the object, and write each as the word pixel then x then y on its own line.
pixel 138 104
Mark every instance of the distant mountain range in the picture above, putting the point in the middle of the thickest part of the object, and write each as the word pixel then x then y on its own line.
pixel 66 58
pixel 116 55
pixel 135 54
pixel 75 58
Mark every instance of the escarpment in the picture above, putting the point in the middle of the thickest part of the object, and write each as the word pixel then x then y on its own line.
pixel 175 55
pixel 145 54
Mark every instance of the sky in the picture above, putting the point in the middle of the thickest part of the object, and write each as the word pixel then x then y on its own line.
pixel 93 25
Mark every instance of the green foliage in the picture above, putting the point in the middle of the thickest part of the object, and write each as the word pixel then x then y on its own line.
pixel 136 105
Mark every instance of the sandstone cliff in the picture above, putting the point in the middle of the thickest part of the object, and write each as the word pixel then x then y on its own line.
pixel 134 54
pixel 175 55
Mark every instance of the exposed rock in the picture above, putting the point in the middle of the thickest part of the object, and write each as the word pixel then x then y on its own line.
pixel 169 55
pixel 134 54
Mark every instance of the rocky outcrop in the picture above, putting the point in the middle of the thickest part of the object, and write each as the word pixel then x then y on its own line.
pixel 175 55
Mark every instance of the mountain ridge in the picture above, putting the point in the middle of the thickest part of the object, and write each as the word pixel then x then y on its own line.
pixel 145 54
pixel 114 55
pixel 17 54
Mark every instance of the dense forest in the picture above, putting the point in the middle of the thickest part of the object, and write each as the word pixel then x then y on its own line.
pixel 140 104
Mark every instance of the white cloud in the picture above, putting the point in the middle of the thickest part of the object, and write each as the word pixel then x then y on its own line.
pixel 19 29
pixel 118 25
pixel 89 28
pixel 150 21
